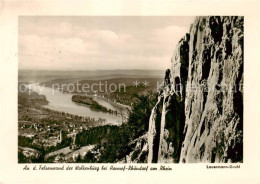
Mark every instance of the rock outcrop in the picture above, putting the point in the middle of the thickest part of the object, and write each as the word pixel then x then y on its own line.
pixel 199 113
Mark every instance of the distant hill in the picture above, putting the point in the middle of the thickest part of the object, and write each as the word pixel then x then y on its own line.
pixel 44 76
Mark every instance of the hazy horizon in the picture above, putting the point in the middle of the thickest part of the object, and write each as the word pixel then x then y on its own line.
pixel 48 75
pixel 65 70
pixel 99 42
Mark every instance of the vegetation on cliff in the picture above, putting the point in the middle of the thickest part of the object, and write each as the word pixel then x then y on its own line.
pixel 114 142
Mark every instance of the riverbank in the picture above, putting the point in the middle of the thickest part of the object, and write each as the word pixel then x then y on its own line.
pixel 59 101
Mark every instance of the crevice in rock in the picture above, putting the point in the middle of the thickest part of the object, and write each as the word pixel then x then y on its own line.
pixel 220 75
pixel 184 60
pixel 175 118
pixel 205 95
pixel 219 56
pixel 195 37
pixel 195 141
pixel 202 127
pixel 202 150
pixel 216 28
pixel 156 141
pixel 184 133
pixel 177 85
pixel 228 48
pixel 206 64
pixel 190 111
pixel 238 98
pixel 209 127
pixel 213 155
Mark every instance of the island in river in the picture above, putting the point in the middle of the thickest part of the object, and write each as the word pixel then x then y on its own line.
pixel 93 104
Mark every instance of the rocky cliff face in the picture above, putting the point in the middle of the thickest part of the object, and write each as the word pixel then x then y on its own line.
pixel 199 113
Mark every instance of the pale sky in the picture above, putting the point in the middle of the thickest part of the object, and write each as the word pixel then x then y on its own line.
pixel 99 42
